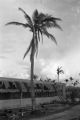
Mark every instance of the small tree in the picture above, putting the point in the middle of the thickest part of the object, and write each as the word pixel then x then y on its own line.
pixel 59 71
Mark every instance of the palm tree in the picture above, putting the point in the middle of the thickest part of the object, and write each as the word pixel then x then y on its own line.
pixel 38 25
pixel 59 71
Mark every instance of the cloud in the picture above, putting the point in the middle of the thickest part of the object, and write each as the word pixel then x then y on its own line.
pixel 42 62
pixel 2 57
pixel 50 68
pixel 11 69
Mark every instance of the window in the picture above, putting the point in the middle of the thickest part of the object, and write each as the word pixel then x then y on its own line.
pixel 38 86
pixel 45 87
pixel 2 85
pixel 12 85
pixel 26 86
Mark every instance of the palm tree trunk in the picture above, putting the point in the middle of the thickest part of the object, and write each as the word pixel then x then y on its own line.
pixel 32 74
pixel 32 84
pixel 58 87
pixel 58 78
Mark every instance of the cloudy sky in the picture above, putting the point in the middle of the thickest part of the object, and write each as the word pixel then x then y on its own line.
pixel 14 40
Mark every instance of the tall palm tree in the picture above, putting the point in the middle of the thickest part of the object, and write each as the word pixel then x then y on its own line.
pixel 59 71
pixel 38 25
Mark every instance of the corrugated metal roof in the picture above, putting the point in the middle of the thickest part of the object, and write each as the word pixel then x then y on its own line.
pixel 13 79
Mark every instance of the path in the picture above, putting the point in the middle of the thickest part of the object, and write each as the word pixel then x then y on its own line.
pixel 67 115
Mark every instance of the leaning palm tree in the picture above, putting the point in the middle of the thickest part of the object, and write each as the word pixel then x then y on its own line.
pixel 38 25
pixel 59 71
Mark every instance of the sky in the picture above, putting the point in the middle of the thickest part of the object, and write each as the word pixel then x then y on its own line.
pixel 14 40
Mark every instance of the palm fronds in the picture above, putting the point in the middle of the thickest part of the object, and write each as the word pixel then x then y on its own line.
pixel 16 23
pixel 60 71
pixel 49 35
pixel 39 23
pixel 27 17
pixel 28 49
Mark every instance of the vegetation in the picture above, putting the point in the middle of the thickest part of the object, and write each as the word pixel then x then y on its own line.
pixel 73 93
pixel 72 81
